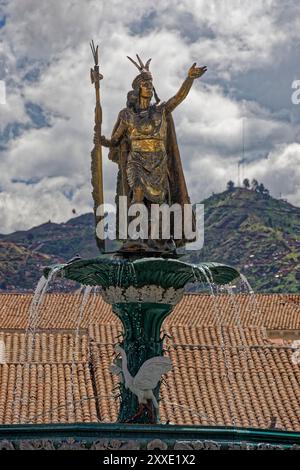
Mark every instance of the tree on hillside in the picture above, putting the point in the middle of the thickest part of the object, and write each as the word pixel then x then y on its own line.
pixel 230 186
pixel 254 185
pixel 246 183
pixel 262 190
pixel 29 236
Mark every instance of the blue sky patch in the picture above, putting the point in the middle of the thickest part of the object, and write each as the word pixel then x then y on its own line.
pixel 144 25
pixel 16 129
pixel 11 131
pixel 2 21
pixel 37 115
pixel 33 180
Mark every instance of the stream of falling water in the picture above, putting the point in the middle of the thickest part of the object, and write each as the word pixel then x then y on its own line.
pixel 87 290
pixel 132 271
pixel 77 351
pixel 245 348
pixel 253 300
pixel 209 280
pixel 237 321
pixel 34 311
pixel 34 317
pixel 28 350
pixel 126 271
pixel 237 317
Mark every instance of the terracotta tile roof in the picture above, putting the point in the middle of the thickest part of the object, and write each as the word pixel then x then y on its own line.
pixel 239 385
pixel 269 310
pixel 45 347
pixel 46 378
pixel 293 298
pixel 222 375
pixel 105 382
pixel 106 333
pixel 57 311
pixel 277 311
pixel 214 335
pixel 46 393
pixel 225 370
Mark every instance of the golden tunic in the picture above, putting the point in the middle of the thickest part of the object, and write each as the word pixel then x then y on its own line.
pixel 146 134
pixel 147 160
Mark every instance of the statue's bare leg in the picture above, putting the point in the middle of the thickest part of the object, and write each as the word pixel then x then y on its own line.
pixel 138 195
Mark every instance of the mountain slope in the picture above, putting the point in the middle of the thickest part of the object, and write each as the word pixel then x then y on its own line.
pixel 255 233
pixel 59 240
pixel 23 254
pixel 20 267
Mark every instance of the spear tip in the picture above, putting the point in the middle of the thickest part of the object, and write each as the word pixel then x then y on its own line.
pixel 94 51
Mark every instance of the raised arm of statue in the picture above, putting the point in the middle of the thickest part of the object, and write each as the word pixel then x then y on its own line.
pixel 194 72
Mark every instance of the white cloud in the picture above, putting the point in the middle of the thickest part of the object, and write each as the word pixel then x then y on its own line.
pixel 28 205
pixel 53 37
pixel 281 172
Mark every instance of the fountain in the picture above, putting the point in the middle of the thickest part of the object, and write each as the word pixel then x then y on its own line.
pixel 142 281
pixel 142 292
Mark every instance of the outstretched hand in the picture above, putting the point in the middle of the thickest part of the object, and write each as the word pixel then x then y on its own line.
pixel 196 72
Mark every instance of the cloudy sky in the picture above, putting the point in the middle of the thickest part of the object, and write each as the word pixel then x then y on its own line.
pixel 252 53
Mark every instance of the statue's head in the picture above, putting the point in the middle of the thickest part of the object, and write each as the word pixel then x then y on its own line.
pixel 142 84
pixel 146 88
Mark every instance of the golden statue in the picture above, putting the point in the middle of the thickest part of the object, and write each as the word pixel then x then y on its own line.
pixel 143 144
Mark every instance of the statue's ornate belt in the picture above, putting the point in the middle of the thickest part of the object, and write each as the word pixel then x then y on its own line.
pixel 147 145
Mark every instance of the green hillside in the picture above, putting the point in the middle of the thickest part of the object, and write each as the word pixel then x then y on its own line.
pixel 257 234
pixel 253 232
pixel 23 254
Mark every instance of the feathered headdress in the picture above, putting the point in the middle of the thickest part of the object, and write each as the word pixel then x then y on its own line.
pixel 144 74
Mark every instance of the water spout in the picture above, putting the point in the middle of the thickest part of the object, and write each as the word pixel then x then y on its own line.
pixel 34 310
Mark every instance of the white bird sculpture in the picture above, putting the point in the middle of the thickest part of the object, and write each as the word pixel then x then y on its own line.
pixel 146 379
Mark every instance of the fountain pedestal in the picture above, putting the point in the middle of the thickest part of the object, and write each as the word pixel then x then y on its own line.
pixel 142 292
pixel 142 340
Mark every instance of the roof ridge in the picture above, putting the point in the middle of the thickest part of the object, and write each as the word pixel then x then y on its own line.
pixel 230 346
pixel 41 363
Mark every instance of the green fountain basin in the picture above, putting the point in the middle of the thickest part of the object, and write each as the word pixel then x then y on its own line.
pixel 166 273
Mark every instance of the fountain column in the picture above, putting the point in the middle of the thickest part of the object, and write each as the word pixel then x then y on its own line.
pixel 142 340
